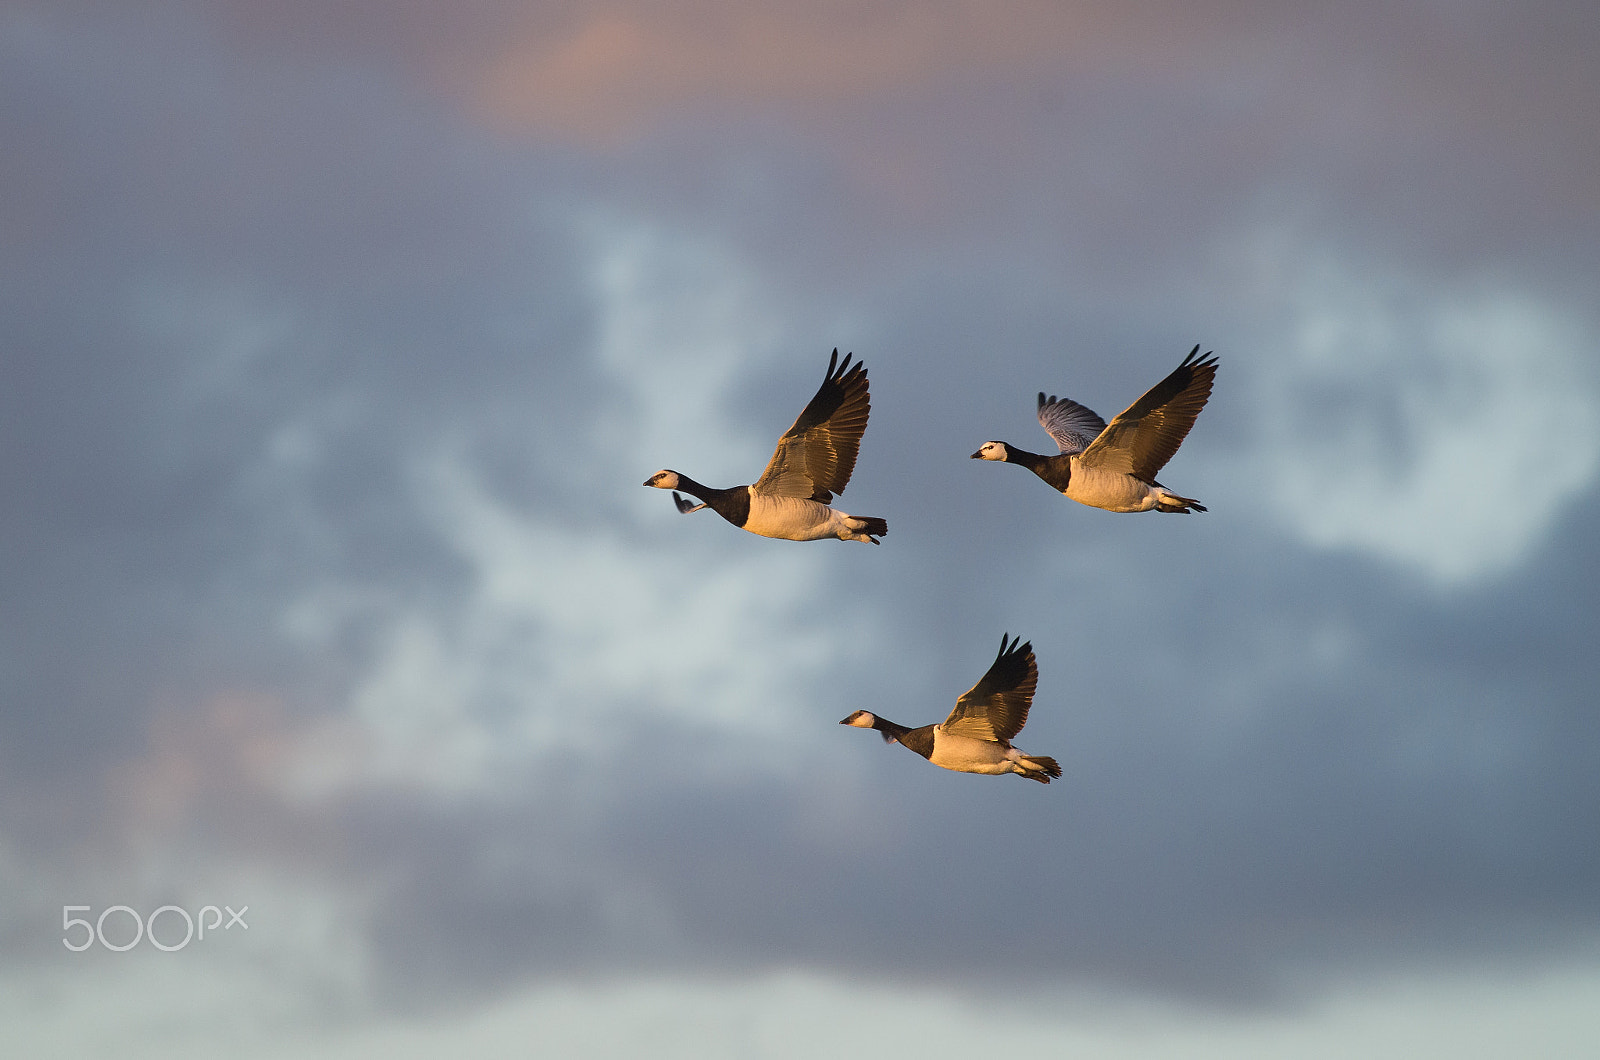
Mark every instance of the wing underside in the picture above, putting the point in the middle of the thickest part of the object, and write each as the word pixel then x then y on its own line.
pixel 1073 426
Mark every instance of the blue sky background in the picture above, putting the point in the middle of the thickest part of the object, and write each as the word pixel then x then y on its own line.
pixel 337 341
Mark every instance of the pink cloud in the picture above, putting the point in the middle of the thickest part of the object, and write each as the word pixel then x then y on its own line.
pixel 609 72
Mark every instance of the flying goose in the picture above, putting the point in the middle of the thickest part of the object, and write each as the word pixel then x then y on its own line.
pixel 976 737
pixel 812 462
pixel 1114 467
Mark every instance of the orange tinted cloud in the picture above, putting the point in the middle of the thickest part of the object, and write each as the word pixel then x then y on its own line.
pixel 607 73
pixel 231 766
pixel 234 741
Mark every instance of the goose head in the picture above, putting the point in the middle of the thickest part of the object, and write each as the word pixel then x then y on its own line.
pixel 861 719
pixel 663 480
pixel 992 451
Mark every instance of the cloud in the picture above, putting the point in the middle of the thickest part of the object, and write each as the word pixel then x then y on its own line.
pixel 563 624
pixel 331 581
pixel 610 70
pixel 193 1008
pixel 563 635
pixel 1440 428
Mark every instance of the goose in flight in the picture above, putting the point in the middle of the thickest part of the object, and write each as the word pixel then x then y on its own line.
pixel 976 737
pixel 812 462
pixel 1114 466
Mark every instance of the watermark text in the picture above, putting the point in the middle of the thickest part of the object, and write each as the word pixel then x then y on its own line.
pixel 129 928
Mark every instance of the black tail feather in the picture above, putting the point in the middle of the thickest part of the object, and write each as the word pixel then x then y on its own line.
pixel 1040 762
pixel 875 527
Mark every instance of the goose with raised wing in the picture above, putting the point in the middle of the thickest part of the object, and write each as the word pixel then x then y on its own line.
pixel 812 462
pixel 1114 466
pixel 976 737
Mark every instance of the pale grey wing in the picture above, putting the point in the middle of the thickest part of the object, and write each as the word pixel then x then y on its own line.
pixel 1072 425
pixel 685 505
pixel 996 708
pixel 1142 439
pixel 815 457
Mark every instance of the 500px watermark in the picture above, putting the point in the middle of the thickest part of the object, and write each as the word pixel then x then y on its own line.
pixel 146 927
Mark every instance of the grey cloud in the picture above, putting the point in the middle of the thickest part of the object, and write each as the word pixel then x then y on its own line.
pixel 1412 803
pixel 1408 797
pixel 1278 759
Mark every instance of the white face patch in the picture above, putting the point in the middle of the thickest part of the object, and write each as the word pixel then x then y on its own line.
pixel 992 451
pixel 663 480
pixel 861 719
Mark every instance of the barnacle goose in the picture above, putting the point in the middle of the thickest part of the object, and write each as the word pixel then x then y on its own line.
pixel 812 462
pixel 1114 467
pixel 976 737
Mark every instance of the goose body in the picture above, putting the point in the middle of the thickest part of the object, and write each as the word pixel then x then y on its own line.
pixel 1113 466
pixel 976 737
pixel 812 462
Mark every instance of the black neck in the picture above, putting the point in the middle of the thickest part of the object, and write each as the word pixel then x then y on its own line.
pixel 1031 461
pixel 918 740
pixel 733 504
pixel 693 488
pixel 1055 470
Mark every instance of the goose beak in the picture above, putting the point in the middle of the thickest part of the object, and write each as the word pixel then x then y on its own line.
pixel 975 456
pixel 646 482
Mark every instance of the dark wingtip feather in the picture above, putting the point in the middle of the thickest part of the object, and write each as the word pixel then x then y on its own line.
pixel 1014 647
pixel 839 372
pixel 1196 361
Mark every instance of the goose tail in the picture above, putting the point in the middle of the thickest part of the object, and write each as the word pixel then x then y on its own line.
pixel 1171 502
pixel 1037 767
pixel 863 528
pixel 872 526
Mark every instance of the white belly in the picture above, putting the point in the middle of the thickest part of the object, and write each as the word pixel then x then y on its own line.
pixel 1111 490
pixel 791 518
pixel 967 755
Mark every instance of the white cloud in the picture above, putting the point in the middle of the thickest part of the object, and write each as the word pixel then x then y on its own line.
pixel 296 960
pixel 1439 429
pixel 181 1008
pixel 568 626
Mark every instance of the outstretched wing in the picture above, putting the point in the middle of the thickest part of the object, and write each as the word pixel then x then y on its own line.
pixel 1143 438
pixel 1072 425
pixel 815 457
pixel 996 708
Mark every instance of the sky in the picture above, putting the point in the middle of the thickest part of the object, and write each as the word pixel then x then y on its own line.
pixel 338 339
